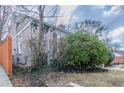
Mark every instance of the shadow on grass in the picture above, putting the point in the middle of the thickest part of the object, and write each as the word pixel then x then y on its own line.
pixel 87 70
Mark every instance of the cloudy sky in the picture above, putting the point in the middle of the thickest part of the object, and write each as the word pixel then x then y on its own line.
pixel 111 16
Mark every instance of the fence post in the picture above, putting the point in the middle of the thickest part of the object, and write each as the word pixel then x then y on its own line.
pixel 9 47
pixel 6 55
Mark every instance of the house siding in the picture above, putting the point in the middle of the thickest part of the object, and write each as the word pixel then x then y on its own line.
pixel 25 32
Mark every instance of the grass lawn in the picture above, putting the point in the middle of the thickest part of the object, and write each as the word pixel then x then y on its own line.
pixel 54 79
pixel 102 79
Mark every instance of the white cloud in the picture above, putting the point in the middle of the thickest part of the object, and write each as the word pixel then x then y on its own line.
pixel 122 49
pixel 94 7
pixel 115 10
pixel 75 17
pixel 66 13
pixel 117 34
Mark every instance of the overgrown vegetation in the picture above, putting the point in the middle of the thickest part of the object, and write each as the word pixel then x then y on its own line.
pixel 83 51
pixel 111 58
pixel 78 52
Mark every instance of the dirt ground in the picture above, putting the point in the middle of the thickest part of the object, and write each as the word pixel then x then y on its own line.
pixel 60 79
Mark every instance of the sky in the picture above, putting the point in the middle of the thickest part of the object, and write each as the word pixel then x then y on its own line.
pixel 110 16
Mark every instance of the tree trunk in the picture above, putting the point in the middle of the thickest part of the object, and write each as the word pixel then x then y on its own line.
pixel 41 30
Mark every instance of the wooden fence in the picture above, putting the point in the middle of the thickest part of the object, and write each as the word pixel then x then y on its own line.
pixel 6 55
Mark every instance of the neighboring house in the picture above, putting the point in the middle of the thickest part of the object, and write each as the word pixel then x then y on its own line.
pixel 119 57
pixel 25 28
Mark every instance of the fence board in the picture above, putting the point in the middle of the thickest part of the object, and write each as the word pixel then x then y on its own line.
pixel 6 55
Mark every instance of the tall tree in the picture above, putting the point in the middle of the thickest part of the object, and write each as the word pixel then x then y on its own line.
pixel 5 15
pixel 41 11
pixel 90 27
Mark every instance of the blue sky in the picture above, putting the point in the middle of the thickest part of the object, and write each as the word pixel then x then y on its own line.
pixel 98 13
pixel 110 16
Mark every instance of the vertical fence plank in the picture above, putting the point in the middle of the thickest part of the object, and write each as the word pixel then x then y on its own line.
pixel 6 55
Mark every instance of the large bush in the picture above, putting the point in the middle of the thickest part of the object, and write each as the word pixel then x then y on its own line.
pixel 85 51
pixel 111 57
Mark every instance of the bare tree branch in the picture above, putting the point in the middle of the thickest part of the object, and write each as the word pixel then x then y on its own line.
pixel 5 12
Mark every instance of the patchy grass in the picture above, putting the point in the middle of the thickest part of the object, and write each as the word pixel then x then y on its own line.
pixel 24 77
pixel 56 79
pixel 28 80
pixel 103 79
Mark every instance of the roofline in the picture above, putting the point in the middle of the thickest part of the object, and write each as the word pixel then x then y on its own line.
pixel 53 26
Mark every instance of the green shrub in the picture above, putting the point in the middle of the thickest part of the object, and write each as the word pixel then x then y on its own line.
pixel 111 57
pixel 85 51
pixel 58 64
pixel 20 71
